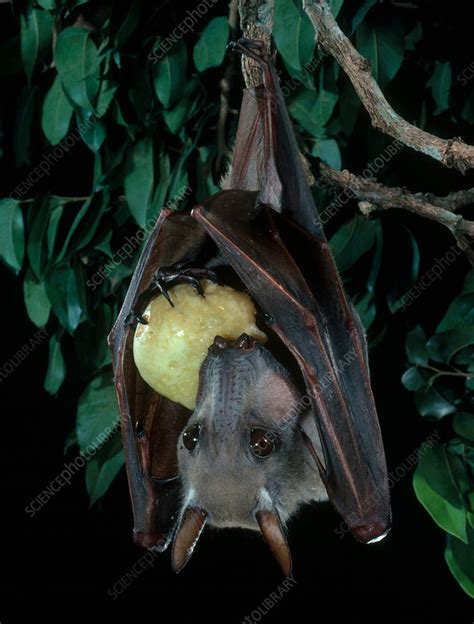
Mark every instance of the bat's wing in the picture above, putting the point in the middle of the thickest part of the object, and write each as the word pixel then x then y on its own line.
pixel 312 316
pixel 151 423
pixel 266 155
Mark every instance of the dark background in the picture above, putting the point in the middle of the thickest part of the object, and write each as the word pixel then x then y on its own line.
pixel 68 550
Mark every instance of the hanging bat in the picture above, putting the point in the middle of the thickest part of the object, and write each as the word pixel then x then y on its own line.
pixel 262 439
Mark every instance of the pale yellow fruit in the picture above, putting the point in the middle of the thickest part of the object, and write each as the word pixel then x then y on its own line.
pixel 169 350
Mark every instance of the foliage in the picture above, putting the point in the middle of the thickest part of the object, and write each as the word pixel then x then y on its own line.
pixel 121 100
pixel 442 378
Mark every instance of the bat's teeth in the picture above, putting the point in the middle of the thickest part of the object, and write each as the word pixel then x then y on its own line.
pixel 371 533
pixel 244 342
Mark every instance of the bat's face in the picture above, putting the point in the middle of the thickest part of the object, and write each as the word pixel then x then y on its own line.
pixel 242 449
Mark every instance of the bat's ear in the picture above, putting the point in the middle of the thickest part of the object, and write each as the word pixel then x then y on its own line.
pixel 273 533
pixel 187 535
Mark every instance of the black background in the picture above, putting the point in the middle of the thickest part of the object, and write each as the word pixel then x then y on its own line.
pixel 68 550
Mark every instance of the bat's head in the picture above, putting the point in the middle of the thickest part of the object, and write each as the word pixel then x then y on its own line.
pixel 242 457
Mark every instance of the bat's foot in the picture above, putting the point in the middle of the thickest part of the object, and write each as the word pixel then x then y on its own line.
pixel 164 278
pixel 249 47
pixel 133 319
pixel 177 274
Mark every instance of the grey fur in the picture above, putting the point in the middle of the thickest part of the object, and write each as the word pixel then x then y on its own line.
pixel 241 389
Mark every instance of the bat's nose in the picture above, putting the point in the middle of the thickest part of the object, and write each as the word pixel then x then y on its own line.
pixel 371 533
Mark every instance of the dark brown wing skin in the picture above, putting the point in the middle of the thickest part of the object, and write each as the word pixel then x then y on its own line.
pixel 315 321
pixel 151 423
pixel 266 155
pixel 286 263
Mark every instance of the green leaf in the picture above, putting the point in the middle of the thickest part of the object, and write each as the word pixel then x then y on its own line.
pixel 36 301
pixel 97 412
pixel 185 108
pixel 129 23
pixel 361 13
pixel 85 224
pixel 23 125
pixel 412 38
pixel 56 212
pixel 351 241
pixel 36 38
pixel 12 238
pixel 56 367
pixel 61 289
pixel 210 49
pixel 367 310
pixel 437 492
pixel 161 191
pixel 430 402
pixel 37 253
pixel 415 346
pixel 100 474
pixel 328 150
pixel 336 6
pixel 169 75
pixel 312 110
pixel 440 83
pixel 460 559
pixel 459 313
pixel 442 346
pixel 179 178
pixel 91 341
pixel 468 286
pixel 293 34
pixel 72 230
pixel 463 425
pixel 461 310
pixel 57 113
pixel 78 66
pixel 106 96
pixel 205 183
pixel 48 5
pixel 383 47
pixel 139 179
pixel 413 379
pixel 94 135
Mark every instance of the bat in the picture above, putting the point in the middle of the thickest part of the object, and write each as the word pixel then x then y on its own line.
pixel 274 426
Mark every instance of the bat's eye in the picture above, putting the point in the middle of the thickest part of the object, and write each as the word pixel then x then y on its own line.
pixel 262 443
pixel 191 437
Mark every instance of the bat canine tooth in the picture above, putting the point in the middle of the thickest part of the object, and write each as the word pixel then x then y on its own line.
pixel 219 344
pixel 371 533
pixel 245 342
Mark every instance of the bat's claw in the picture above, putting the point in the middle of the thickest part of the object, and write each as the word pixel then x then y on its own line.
pixel 134 318
pixel 177 274
pixel 254 44
pixel 249 47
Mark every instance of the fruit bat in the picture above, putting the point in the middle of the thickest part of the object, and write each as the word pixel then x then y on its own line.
pixel 274 426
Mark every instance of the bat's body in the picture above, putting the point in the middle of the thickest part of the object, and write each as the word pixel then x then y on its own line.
pixel 320 438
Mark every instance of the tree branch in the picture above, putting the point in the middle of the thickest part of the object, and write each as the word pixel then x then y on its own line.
pixel 375 196
pixel 453 201
pixel 452 153
pixel 256 22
